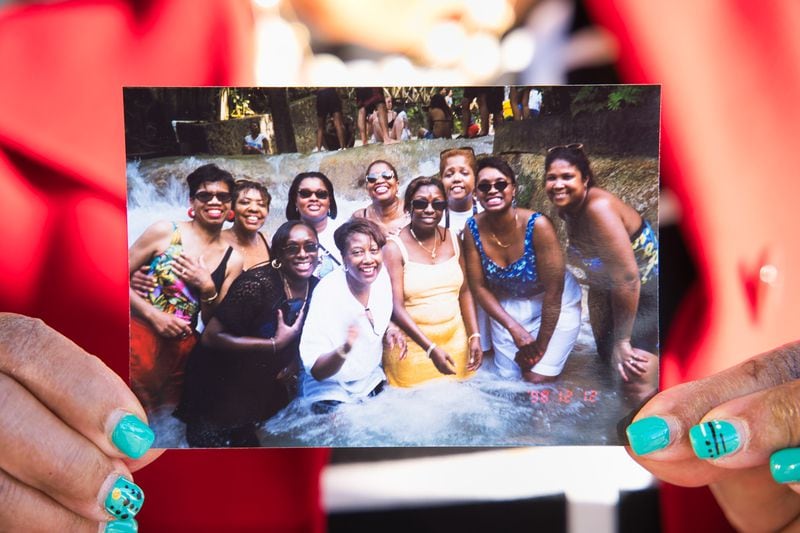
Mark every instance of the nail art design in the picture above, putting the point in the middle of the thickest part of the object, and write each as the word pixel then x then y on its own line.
pixel 713 439
pixel 648 435
pixel 785 465
pixel 125 499
pixel 132 436
pixel 122 526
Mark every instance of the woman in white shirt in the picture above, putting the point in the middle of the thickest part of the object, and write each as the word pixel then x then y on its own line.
pixel 343 336
pixel 311 200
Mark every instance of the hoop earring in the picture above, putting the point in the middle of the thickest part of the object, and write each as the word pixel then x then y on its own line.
pixel 514 201
pixel 190 212
pixel 276 264
pixel 230 216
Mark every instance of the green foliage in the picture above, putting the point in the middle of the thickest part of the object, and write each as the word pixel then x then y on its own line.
pixel 625 96
pixel 590 99
pixel 239 103
pixel 594 99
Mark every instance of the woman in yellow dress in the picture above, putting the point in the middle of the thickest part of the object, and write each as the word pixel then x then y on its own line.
pixel 431 299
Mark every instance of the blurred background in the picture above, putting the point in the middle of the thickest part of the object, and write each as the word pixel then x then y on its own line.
pixel 729 75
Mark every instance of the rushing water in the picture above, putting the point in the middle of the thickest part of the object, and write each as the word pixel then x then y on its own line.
pixel 584 406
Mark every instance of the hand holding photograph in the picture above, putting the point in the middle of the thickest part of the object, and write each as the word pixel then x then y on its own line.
pixel 393 266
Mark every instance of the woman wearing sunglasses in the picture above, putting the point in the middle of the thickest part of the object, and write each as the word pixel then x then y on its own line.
pixel 311 200
pixel 193 267
pixel 237 376
pixel 516 271
pixel 618 250
pixel 386 209
pixel 342 341
pixel 432 301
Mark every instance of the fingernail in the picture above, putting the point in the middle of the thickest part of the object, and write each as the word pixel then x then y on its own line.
pixel 125 499
pixel 648 435
pixel 132 436
pixel 121 526
pixel 715 438
pixel 785 465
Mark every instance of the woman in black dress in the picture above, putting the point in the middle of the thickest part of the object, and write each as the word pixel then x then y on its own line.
pixel 237 376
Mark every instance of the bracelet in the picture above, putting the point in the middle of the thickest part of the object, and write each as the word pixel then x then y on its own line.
pixel 341 352
pixel 430 349
pixel 209 300
pixel 473 336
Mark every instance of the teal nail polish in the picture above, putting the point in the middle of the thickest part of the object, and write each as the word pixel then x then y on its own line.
pixel 648 435
pixel 132 436
pixel 785 465
pixel 713 439
pixel 122 526
pixel 125 499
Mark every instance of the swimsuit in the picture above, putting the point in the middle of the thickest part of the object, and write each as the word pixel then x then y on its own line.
pixel 519 279
pixel 171 294
pixel 431 298
pixel 521 295
pixel 645 250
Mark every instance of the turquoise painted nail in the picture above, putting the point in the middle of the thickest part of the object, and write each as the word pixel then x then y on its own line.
pixel 785 465
pixel 122 526
pixel 132 436
pixel 648 435
pixel 125 499
pixel 713 439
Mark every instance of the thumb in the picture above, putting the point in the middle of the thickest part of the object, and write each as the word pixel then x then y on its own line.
pixel 734 419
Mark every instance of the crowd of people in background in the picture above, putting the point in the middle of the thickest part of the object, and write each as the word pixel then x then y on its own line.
pixel 382 118
pixel 230 326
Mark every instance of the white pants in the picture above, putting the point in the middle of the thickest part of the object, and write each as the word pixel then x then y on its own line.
pixel 528 312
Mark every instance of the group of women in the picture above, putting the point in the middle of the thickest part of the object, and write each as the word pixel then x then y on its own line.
pixel 406 291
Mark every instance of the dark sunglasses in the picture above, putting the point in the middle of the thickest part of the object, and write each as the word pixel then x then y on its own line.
pixel 386 174
pixel 573 146
pixel 322 194
pixel 294 249
pixel 421 204
pixel 499 186
pixel 206 196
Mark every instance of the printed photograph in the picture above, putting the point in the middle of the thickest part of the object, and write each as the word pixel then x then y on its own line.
pixel 393 266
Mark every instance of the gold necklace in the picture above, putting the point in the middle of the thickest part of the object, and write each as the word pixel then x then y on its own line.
pixel 432 252
pixel 288 290
pixel 500 244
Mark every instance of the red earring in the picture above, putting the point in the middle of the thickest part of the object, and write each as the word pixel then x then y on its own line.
pixel 191 212
pixel 231 215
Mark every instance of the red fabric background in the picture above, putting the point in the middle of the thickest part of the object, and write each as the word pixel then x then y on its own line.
pixel 730 75
pixel 62 179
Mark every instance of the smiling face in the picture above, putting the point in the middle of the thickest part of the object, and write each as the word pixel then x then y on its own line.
pixel 384 189
pixel 491 198
pixel 251 210
pixel 312 208
pixel 564 184
pixel 362 258
pixel 208 206
pixel 298 258
pixel 458 177
pixel 427 217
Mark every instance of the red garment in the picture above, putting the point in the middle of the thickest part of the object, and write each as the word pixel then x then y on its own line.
pixel 730 75
pixel 62 180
